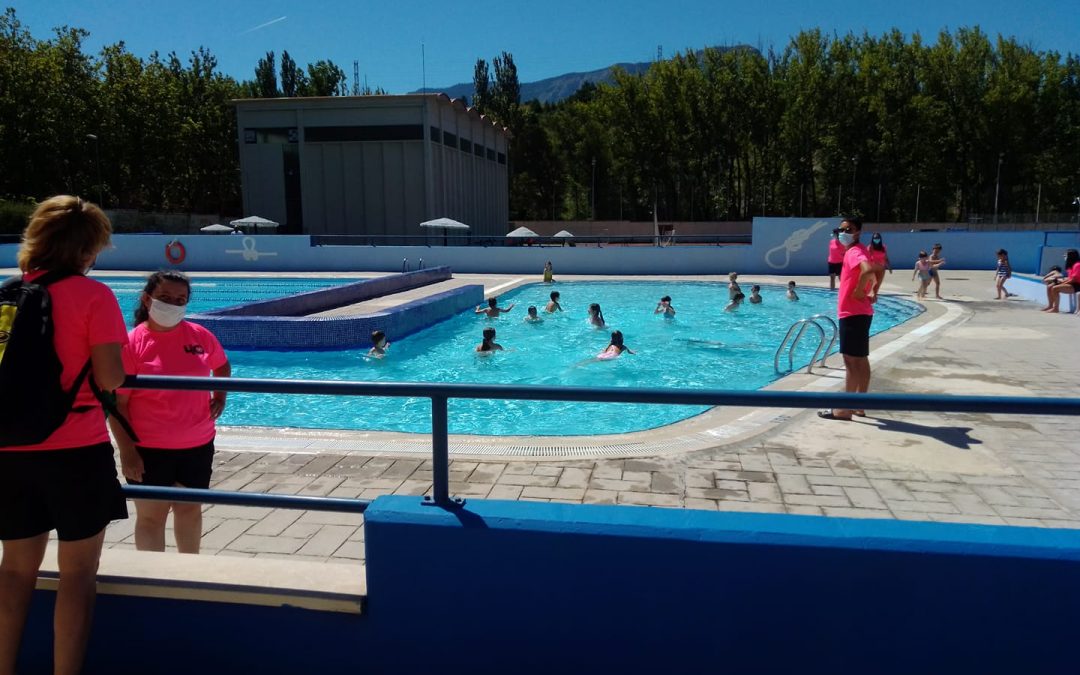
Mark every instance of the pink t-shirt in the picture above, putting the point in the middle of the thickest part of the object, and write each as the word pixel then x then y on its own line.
pixel 875 256
pixel 836 251
pixel 85 314
pixel 1074 273
pixel 846 303
pixel 168 419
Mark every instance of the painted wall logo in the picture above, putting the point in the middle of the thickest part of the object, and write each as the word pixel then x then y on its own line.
pixel 249 251
pixel 779 257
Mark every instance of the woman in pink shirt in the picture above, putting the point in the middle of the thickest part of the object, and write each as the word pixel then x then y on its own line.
pixel 175 428
pixel 68 481
pixel 1070 284
pixel 836 258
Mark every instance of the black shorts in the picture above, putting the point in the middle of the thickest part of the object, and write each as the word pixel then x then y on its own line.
pixel 836 268
pixel 190 468
pixel 73 491
pixel 1075 285
pixel 855 335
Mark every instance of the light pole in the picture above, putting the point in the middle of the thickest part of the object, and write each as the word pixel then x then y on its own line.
pixel 1076 200
pixel 997 185
pixel 594 188
pixel 97 154
pixel 854 168
pixel 918 193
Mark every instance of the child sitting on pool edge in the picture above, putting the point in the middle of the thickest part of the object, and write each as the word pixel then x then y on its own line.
pixel 378 344
pixel 755 295
pixel 489 344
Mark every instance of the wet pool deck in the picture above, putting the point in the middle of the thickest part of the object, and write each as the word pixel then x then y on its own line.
pixel 969 468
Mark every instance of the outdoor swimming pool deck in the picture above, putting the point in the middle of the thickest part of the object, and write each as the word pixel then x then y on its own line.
pixel 968 468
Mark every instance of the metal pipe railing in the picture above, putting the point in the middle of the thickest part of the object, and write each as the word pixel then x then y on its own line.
pixel 266 500
pixel 441 393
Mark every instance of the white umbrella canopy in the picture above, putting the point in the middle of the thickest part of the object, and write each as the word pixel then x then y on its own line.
pixel 445 223
pixel 522 232
pixel 255 221
pixel 562 234
pixel 216 227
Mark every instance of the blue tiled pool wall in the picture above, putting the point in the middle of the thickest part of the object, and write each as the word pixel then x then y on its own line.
pixel 314 333
pixel 320 300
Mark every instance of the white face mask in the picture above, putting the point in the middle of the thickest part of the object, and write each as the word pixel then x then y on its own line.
pixel 166 315
pixel 847 238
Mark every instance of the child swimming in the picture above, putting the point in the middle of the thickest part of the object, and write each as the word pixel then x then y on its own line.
pixel 615 348
pixel 596 316
pixel 791 294
pixel 755 295
pixel 553 306
pixel 531 317
pixel 489 345
pixel 733 285
pixel 736 301
pixel 379 344
pixel 493 310
pixel 664 307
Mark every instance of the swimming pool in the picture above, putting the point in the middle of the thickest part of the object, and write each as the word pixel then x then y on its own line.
pixel 702 348
pixel 208 293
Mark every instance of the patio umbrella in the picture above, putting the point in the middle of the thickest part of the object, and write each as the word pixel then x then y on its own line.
pixel 564 235
pixel 522 232
pixel 216 228
pixel 444 224
pixel 255 222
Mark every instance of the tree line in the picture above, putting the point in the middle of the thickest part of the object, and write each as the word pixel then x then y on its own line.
pixel 876 126
pixel 870 125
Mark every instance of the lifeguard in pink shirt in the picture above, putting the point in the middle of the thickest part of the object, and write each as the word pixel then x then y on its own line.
pixel 175 428
pixel 836 258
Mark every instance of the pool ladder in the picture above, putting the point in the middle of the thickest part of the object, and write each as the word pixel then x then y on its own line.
pixel 797 329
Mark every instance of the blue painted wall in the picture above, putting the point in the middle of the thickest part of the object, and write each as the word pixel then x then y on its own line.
pixel 515 587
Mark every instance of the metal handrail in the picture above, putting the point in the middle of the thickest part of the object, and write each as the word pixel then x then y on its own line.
pixel 440 393
pixel 266 500
pixel 832 341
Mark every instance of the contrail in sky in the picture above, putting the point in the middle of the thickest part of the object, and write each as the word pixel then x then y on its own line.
pixel 264 25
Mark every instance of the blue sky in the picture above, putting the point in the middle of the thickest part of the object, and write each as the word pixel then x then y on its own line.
pixel 546 37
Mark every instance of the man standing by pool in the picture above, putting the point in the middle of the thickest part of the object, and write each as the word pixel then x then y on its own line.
pixel 855 309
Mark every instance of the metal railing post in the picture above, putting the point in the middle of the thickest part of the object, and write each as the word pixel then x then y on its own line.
pixel 440 454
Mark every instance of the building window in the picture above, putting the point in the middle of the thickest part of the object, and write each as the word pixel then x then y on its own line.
pixel 436 135
pixel 271 135
pixel 491 154
pixel 384 132
pixel 466 146
pixel 449 139
pixel 478 150
pixel 502 158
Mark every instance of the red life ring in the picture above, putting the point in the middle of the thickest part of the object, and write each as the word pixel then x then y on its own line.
pixel 175 252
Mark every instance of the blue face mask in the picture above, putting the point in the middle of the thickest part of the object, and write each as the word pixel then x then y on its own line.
pixel 847 238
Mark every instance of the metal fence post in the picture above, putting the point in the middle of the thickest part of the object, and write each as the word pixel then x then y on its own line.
pixel 440 455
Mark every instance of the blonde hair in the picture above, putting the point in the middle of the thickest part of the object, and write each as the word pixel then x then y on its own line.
pixel 63 232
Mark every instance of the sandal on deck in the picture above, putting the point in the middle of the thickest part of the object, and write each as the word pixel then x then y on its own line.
pixel 828 415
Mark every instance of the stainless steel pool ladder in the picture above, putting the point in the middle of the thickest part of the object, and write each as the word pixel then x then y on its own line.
pixel 823 347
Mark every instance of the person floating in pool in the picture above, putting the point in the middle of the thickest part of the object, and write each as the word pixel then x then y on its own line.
pixel 547 273
pixel 596 316
pixel 615 348
pixel 553 306
pixel 489 345
pixel 736 302
pixel 791 294
pixel 733 285
pixel 664 307
pixel 493 310
pixel 378 344
pixel 755 295
pixel 531 317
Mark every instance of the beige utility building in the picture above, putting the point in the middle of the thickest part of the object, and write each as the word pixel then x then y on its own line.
pixel 372 165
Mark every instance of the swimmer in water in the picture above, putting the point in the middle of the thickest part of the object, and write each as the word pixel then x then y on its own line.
pixel 755 295
pixel 791 294
pixel 733 285
pixel 489 345
pixel 596 317
pixel 664 307
pixel 493 310
pixel 615 348
pixel 378 344
pixel 736 301
pixel 531 317
pixel 554 305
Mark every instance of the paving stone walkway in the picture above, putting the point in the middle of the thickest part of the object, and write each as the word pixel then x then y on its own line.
pixel 970 468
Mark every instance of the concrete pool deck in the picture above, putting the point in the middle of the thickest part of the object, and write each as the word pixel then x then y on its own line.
pixel 992 469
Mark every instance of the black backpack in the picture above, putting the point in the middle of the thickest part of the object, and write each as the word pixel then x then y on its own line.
pixel 33 403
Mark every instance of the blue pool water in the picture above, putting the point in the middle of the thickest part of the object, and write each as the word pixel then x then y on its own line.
pixel 209 293
pixel 702 348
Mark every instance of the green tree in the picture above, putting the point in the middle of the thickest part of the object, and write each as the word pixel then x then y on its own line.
pixel 481 86
pixel 266 77
pixel 325 79
pixel 293 80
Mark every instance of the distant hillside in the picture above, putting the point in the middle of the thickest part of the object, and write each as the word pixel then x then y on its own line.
pixel 556 88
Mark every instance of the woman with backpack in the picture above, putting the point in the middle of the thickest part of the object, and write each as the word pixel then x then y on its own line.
pixel 65 480
pixel 175 428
